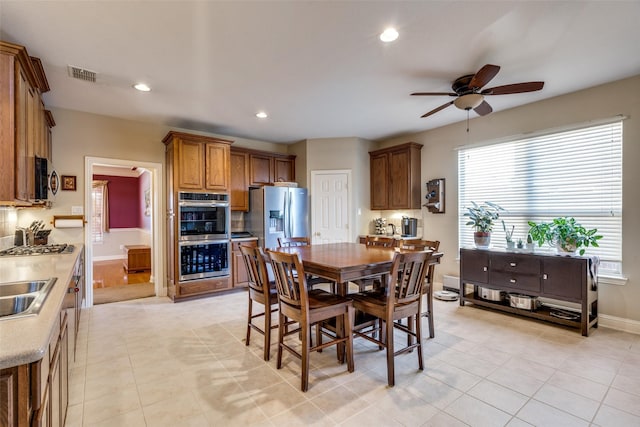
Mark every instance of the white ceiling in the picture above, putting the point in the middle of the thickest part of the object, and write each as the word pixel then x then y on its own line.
pixel 318 68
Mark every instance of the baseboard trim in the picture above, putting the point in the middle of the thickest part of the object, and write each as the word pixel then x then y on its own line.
pixel 108 257
pixel 619 323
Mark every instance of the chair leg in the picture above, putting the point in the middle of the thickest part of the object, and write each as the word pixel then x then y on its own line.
pixel 430 314
pixel 418 318
pixel 306 336
pixel 349 318
pixel 267 332
pixel 389 343
pixel 249 321
pixel 281 331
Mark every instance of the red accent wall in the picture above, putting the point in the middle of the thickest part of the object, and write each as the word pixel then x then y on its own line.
pixel 124 201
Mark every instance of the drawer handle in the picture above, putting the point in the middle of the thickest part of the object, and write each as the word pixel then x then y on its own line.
pixel 512 264
pixel 484 268
pixel 512 280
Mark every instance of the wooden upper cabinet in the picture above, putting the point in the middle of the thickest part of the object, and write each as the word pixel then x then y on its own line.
pixel 395 177
pixel 253 168
pixel 379 181
pixel 24 131
pixel 284 169
pixel 190 172
pixel 197 162
pixel 217 166
pixel 239 181
pixel 261 169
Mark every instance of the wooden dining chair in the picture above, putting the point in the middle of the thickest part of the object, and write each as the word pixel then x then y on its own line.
pixel 379 241
pixel 308 307
pixel 385 242
pixel 262 291
pixel 288 242
pixel 400 299
pixel 427 290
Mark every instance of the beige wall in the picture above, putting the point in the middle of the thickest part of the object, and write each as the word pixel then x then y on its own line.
pixel 439 160
pixel 345 153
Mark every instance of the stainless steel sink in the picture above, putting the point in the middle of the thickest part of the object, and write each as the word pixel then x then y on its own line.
pixel 23 298
pixel 10 306
pixel 18 288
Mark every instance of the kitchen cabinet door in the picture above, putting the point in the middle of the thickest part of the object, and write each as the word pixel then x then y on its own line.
pixel 260 169
pixel 239 186
pixel 217 167
pixel 379 181
pixel 190 167
pixel 284 170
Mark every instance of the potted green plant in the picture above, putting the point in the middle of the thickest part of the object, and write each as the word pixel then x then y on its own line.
pixel 482 217
pixel 508 235
pixel 565 233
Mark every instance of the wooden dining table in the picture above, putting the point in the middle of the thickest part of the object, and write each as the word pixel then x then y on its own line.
pixel 345 262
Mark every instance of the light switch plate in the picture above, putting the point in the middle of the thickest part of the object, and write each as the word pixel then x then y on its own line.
pixel 77 210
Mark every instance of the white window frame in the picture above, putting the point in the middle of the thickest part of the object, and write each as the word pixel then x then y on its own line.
pixel 575 172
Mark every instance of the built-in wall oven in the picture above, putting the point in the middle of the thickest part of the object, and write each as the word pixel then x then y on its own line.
pixel 204 223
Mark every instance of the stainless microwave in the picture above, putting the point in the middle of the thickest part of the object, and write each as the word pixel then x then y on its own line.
pixel 41 181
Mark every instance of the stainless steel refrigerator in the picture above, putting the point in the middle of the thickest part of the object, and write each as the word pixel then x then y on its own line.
pixel 277 212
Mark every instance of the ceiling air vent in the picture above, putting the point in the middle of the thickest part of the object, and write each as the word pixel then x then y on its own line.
pixel 82 74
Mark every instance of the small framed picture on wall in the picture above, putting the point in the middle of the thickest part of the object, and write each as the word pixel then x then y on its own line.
pixel 68 182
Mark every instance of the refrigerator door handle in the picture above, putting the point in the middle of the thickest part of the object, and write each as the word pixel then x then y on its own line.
pixel 285 211
pixel 290 215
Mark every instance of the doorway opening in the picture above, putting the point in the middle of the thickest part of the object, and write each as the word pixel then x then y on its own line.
pixel 129 258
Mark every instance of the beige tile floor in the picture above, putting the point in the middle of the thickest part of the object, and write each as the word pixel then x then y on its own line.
pixel 150 362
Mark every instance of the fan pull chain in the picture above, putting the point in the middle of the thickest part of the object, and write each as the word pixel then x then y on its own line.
pixel 467 120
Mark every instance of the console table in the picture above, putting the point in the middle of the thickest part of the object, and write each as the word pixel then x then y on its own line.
pixel 563 279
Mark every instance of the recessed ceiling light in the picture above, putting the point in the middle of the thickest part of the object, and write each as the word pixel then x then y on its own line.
pixel 142 87
pixel 261 115
pixel 389 35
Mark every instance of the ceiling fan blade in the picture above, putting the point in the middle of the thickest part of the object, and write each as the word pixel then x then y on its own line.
pixel 483 109
pixel 514 88
pixel 435 110
pixel 483 76
pixel 434 93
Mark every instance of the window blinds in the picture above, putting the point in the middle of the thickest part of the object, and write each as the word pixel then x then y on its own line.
pixel 575 173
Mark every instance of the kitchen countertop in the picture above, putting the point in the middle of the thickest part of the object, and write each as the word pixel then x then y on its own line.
pixel 25 339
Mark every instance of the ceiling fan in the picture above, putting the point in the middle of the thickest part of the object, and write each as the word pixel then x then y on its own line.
pixel 470 95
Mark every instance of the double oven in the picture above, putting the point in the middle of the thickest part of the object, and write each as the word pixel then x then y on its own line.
pixel 204 232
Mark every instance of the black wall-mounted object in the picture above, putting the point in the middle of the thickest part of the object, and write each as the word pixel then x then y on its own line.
pixel 435 196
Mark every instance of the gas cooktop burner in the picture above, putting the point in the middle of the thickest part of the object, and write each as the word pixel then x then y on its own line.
pixel 38 250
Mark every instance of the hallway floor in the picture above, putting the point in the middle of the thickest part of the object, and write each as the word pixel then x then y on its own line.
pixel 151 362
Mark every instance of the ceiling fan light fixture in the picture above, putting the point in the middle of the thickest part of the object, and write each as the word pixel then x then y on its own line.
pixel 468 101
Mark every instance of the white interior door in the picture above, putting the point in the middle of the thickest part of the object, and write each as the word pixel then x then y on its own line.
pixel 330 200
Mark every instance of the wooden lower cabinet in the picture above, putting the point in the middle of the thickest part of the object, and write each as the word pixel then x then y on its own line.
pixel 559 281
pixel 239 275
pixel 37 394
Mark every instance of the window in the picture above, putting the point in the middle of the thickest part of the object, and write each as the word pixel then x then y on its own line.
pixel 100 217
pixel 574 173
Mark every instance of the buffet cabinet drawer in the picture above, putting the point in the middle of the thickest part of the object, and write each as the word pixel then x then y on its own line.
pixel 520 282
pixel 515 264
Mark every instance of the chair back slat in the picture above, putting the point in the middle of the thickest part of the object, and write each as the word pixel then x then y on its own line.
pixel 255 262
pixel 287 242
pixel 407 276
pixel 290 279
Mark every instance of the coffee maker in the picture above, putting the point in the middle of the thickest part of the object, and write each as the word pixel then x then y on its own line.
pixel 409 226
